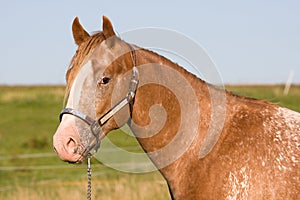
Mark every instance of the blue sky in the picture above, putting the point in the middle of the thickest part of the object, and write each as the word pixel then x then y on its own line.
pixel 250 41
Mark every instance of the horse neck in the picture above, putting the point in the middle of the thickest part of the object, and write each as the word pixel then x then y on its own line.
pixel 166 112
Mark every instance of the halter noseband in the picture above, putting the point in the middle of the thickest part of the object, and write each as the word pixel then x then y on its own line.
pixel 95 125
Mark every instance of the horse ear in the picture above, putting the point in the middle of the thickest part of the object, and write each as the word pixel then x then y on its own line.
pixel 79 34
pixel 107 28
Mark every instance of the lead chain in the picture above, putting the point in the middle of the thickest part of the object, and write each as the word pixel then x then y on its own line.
pixel 89 176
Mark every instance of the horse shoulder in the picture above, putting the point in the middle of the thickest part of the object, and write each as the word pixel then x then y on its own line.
pixel 256 156
pixel 258 151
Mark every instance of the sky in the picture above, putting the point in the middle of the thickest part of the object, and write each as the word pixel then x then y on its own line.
pixel 251 42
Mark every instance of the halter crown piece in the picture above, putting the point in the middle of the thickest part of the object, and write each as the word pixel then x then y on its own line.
pixel 95 125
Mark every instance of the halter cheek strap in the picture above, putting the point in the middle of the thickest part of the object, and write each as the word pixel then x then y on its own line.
pixel 127 100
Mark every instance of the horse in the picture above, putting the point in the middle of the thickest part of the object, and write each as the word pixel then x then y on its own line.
pixel 240 148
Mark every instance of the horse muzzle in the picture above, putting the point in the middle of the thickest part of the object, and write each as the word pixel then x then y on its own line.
pixel 71 143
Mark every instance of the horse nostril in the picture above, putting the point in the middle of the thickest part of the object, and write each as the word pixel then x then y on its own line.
pixel 71 145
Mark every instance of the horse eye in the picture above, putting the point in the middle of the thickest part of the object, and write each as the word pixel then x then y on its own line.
pixel 103 81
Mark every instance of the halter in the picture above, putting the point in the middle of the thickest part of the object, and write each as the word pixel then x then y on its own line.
pixel 95 125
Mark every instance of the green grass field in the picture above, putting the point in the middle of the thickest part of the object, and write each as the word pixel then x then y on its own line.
pixel 29 169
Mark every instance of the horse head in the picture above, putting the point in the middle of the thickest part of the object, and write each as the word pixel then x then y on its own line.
pixel 97 80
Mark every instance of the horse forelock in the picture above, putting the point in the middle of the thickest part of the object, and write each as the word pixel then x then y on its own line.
pixel 82 52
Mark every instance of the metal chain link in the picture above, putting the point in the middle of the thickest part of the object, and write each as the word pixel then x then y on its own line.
pixel 89 176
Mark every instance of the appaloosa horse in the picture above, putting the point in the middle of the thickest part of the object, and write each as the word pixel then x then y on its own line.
pixel 254 145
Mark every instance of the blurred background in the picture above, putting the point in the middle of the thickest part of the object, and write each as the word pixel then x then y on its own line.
pixel 250 41
pixel 254 44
